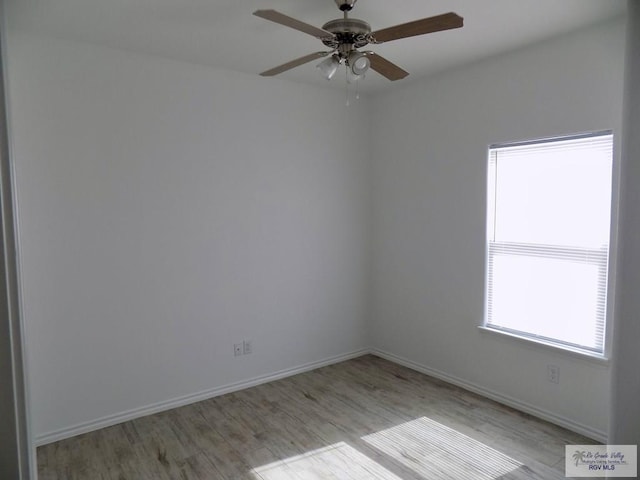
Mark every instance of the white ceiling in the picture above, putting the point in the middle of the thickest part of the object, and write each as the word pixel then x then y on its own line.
pixel 225 34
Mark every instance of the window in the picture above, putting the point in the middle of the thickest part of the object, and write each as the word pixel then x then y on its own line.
pixel 548 228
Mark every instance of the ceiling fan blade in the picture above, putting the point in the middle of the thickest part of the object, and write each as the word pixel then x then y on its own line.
pixel 446 21
pixel 290 22
pixel 385 68
pixel 294 63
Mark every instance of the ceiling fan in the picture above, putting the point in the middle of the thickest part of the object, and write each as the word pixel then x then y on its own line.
pixel 344 36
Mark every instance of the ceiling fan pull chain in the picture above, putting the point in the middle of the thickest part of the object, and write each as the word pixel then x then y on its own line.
pixel 346 85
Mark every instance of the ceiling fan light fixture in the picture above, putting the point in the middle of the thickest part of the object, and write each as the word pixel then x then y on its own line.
pixel 359 63
pixel 329 67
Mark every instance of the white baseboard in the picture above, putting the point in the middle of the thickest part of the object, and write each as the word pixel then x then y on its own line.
pixel 498 397
pixel 121 417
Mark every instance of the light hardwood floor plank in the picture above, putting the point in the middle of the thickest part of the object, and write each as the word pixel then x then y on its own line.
pixel 362 419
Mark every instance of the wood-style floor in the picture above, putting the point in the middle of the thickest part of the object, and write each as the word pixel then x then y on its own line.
pixel 366 418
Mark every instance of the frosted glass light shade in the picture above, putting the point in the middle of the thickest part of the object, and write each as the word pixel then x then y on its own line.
pixel 329 67
pixel 359 63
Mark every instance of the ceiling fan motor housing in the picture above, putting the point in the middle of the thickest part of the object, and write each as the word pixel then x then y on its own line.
pixel 345 5
pixel 347 31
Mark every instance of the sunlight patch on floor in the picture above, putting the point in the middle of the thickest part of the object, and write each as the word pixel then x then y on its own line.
pixel 434 450
pixel 336 461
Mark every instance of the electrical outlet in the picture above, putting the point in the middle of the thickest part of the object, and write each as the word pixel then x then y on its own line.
pixel 553 373
pixel 247 348
pixel 237 349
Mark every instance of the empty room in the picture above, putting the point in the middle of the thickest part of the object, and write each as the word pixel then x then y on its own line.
pixel 320 239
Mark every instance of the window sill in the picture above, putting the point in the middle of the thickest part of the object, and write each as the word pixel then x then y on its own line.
pixel 575 352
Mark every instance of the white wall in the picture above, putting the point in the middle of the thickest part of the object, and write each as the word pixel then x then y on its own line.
pixel 170 210
pixel 625 401
pixel 429 152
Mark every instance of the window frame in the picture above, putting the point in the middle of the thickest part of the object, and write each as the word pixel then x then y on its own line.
pixel 530 338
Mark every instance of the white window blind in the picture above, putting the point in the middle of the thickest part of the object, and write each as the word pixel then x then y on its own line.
pixel 548 226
